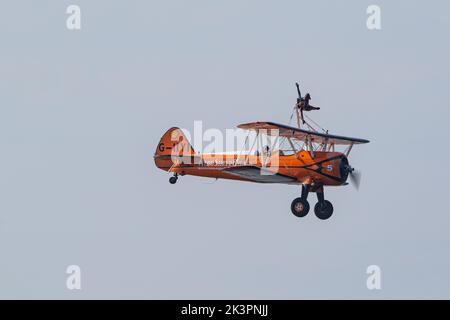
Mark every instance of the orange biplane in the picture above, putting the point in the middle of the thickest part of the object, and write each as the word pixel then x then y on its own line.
pixel 305 157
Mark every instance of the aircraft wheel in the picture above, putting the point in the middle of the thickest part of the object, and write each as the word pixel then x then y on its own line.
pixel 300 207
pixel 173 180
pixel 323 210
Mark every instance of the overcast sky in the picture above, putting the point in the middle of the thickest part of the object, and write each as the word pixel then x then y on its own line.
pixel 81 113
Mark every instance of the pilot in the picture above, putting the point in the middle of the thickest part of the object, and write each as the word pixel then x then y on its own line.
pixel 266 153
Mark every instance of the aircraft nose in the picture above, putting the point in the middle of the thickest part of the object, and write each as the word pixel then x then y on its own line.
pixel 344 168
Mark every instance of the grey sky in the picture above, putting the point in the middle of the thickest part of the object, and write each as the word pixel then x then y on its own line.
pixel 81 113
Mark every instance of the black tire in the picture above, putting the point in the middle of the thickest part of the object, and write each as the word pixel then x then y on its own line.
pixel 173 180
pixel 300 207
pixel 323 210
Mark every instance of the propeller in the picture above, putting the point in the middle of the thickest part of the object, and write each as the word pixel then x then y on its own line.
pixel 355 178
pixel 354 175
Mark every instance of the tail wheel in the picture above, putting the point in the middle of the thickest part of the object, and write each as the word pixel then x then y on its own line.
pixel 300 207
pixel 323 210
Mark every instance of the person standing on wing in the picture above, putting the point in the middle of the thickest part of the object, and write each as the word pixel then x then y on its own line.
pixel 303 105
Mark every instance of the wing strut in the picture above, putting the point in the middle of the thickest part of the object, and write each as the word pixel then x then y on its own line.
pixel 310 145
pixel 293 148
pixel 349 148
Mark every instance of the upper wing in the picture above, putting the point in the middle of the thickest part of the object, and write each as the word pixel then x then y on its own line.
pixel 300 134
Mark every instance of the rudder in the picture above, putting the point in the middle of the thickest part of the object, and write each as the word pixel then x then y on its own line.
pixel 174 142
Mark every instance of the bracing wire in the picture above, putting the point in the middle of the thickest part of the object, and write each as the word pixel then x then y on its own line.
pixel 292 115
pixel 325 131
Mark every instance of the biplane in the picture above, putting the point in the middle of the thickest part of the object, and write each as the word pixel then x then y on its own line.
pixel 303 156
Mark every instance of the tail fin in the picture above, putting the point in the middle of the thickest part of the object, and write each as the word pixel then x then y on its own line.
pixel 172 143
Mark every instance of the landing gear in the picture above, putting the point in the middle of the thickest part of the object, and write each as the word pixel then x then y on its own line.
pixel 173 179
pixel 300 206
pixel 323 208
